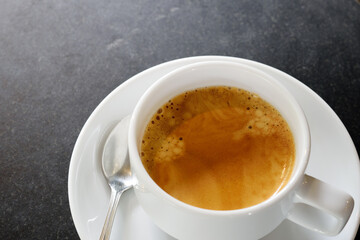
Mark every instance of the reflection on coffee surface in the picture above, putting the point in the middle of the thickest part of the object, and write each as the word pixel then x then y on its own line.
pixel 218 148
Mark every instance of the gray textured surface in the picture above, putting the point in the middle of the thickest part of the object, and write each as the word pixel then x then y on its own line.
pixel 59 59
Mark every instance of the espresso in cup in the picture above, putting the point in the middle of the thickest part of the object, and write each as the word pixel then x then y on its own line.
pixel 219 148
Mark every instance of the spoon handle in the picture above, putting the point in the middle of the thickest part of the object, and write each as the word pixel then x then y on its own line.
pixel 114 200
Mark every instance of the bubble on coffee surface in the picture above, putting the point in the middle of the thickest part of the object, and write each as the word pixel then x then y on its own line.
pixel 171 148
pixel 207 144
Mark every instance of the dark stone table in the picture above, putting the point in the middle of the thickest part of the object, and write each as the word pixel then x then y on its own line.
pixel 59 59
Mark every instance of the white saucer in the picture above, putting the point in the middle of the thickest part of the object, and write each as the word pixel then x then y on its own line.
pixel 333 160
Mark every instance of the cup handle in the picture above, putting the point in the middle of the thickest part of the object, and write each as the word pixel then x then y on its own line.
pixel 320 207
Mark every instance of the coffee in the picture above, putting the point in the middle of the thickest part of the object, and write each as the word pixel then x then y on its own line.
pixel 219 148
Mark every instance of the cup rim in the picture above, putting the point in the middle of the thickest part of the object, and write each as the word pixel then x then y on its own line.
pixel 136 162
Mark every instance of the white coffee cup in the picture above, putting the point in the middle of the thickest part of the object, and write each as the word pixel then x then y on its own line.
pixel 298 201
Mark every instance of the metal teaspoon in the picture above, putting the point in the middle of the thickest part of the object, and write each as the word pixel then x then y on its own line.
pixel 116 168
